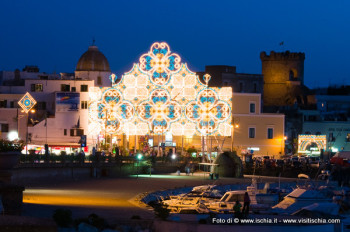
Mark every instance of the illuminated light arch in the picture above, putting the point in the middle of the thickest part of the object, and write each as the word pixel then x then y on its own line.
pixel 160 95
pixel 305 140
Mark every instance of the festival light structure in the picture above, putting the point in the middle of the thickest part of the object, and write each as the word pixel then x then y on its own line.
pixel 305 140
pixel 159 95
pixel 27 102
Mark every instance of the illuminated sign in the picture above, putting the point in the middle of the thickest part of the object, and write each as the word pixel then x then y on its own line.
pixel 67 101
pixel 253 148
pixel 159 95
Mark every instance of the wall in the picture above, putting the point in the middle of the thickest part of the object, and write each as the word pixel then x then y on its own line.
pixel 279 87
pixel 340 132
pixel 261 122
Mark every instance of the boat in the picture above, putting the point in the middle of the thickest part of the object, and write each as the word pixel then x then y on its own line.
pixel 205 198
pixel 194 201
pixel 304 195
pixel 259 202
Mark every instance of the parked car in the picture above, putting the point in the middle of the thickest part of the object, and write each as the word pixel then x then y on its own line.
pixel 279 163
pixel 303 159
pixel 296 164
pixel 342 158
pixel 314 161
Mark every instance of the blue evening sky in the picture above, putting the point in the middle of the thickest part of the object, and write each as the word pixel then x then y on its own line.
pixel 54 34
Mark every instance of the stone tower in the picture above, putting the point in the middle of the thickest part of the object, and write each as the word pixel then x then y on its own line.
pixel 283 78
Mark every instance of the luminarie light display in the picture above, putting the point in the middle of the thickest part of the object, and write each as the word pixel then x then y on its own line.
pixel 305 140
pixel 27 102
pixel 160 95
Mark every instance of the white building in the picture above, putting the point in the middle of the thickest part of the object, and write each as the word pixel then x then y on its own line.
pixel 62 101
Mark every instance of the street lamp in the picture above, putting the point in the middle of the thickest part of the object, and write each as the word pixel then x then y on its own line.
pixel 233 127
pixel 282 141
pixel 139 158
pixel 27 102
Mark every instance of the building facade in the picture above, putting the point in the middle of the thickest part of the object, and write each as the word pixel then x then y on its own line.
pixel 261 134
pixel 223 75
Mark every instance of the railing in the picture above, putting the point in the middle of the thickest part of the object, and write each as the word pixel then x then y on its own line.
pixel 81 160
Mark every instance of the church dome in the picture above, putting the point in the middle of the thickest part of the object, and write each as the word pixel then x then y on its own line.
pixel 93 60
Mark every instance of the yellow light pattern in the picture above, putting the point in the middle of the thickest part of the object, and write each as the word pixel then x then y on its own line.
pixel 160 95
pixel 27 102
pixel 305 140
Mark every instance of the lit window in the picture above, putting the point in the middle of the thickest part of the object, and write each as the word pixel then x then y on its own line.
pixel 36 87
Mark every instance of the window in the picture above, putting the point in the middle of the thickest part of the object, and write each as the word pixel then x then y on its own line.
pixel 255 90
pixel 4 127
pixel 3 103
pixel 12 104
pixel 83 104
pixel 331 137
pixel 252 108
pixel 41 105
pixel 251 132
pixel 65 88
pixel 240 88
pixel 83 88
pixel 64 131
pixel 80 132
pixel 76 132
pixel 291 75
pixel 36 87
pixel 74 89
pixel 270 133
pixel 99 80
pixel 348 137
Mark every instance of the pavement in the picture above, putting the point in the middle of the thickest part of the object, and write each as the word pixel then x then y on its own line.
pixel 114 199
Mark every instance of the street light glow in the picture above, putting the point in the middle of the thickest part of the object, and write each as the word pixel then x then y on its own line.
pixel 12 135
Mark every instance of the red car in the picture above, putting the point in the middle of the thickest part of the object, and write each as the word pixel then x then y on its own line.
pixel 341 158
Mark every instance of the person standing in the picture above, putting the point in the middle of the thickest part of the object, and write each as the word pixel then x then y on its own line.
pixel 246 204
pixel 237 209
